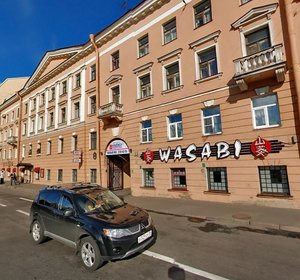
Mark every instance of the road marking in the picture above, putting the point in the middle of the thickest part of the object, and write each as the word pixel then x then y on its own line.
pixel 183 266
pixel 3 205
pixel 23 212
pixel 26 199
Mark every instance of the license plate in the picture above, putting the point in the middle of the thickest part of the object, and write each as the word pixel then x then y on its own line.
pixel 144 236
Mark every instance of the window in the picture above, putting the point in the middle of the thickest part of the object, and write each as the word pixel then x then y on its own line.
pixel 24 132
pixel 76 110
pixel 12 115
pixel 244 1
pixel 42 99
pixel 26 108
pixel 48 174
pixel 93 138
pixel 143 44
pixel 30 150
pixel 51 119
pixel 93 72
pixel 170 32
pixel 172 76
pixel 115 92
pixel 74 175
pixel 49 147
pixel 146 131
pixel 39 149
pixel 59 175
pixel 74 142
pixel 64 87
pixel 32 126
pixel 65 204
pixel 175 127
pixel 144 86
pixel 93 175
pixel 63 115
pixel 52 94
pixel 41 122
pixel 77 80
pixel 274 179
pixel 23 151
pixel 217 179
pixel 211 120
pixel 92 101
pixel 207 63
pixel 148 177
pixel 258 40
pixel 202 13
pixel 265 111
pixel 115 60
pixel 60 148
pixel 33 104
pixel 178 178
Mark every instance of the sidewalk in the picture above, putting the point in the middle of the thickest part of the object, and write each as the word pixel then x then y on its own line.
pixel 235 214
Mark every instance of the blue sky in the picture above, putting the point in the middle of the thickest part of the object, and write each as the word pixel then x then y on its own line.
pixel 29 28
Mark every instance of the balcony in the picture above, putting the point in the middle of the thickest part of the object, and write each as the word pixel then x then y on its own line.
pixel 111 112
pixel 12 140
pixel 259 66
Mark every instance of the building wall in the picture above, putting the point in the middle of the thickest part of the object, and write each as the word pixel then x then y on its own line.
pixel 226 32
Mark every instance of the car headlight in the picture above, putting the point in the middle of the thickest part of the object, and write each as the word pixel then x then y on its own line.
pixel 116 233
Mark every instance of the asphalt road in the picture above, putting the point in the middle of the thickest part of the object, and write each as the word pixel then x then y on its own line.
pixel 185 249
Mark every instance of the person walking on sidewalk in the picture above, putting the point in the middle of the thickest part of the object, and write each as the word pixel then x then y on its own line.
pixel 1 177
pixel 13 178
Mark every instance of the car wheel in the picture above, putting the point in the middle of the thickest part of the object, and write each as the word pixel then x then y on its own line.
pixel 37 232
pixel 90 254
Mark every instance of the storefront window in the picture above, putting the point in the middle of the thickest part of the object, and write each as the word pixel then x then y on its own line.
pixel 217 179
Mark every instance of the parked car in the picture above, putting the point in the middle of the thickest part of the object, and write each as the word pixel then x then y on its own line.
pixel 93 220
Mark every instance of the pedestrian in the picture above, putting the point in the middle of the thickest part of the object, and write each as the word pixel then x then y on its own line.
pixel 13 178
pixel 1 177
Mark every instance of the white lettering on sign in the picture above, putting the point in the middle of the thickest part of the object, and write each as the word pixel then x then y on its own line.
pixel 206 151
pixel 189 152
pixel 178 153
pixel 223 150
pixel 164 155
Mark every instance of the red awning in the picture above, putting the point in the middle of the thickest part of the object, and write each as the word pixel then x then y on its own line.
pixel 3 169
pixel 36 169
pixel 22 168
pixel 8 169
pixel 14 169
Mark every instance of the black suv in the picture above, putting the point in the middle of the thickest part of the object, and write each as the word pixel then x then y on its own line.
pixel 93 220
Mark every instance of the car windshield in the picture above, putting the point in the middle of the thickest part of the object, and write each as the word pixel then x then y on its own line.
pixel 98 201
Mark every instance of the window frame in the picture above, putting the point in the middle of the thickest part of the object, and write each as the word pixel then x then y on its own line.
pixel 93 73
pixel 202 12
pixel 165 76
pixel 169 31
pixel 148 183
pixel 268 180
pixel 266 116
pixel 212 117
pixel 178 172
pixel 148 86
pixel 115 60
pixel 92 105
pixel 148 130
pixel 112 94
pixel 198 53
pixel 217 186
pixel 177 137
pixel 143 46
pixel 93 140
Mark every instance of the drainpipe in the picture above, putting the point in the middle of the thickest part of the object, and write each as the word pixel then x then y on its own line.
pixel 19 131
pixel 92 39
pixel 289 14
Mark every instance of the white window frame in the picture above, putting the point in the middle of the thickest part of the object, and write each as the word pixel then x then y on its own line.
pixel 60 144
pixel 148 129
pixel 265 113
pixel 211 117
pixel 164 72
pixel 194 16
pixel 176 127
pixel 90 145
pixel 90 105
pixel 74 142
pixel 245 32
pixel 49 147
pixel 139 95
pixel 111 93
pixel 197 64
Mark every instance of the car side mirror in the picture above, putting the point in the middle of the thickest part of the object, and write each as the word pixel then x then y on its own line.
pixel 69 212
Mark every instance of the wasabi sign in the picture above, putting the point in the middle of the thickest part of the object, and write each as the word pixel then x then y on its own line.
pixel 259 148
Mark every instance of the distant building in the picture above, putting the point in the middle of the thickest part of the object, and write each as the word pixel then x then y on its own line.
pixel 10 86
pixel 182 99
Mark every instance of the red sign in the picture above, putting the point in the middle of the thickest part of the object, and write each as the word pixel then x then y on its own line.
pixel 148 156
pixel 261 147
